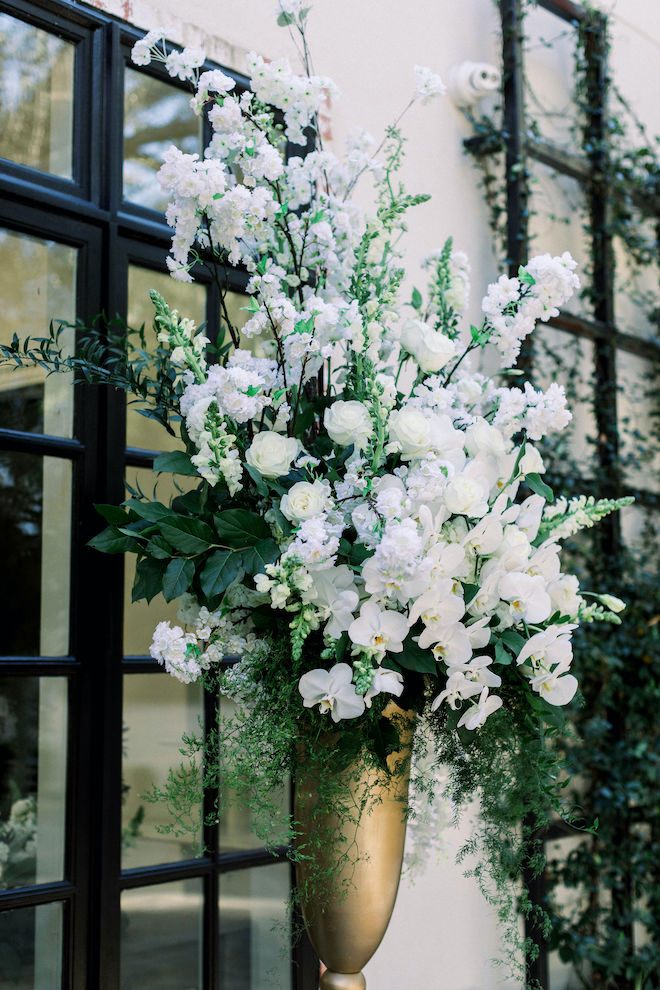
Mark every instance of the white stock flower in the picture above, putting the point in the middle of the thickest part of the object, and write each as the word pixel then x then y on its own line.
pixel 305 499
pixel 271 453
pixel 332 691
pixel 428 84
pixel 379 630
pixel 348 422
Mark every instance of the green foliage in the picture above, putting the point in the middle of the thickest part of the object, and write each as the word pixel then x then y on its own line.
pixel 609 930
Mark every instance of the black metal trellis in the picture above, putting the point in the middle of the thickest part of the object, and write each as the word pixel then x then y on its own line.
pixel 520 146
pixel 88 212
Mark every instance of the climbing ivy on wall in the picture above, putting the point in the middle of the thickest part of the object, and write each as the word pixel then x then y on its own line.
pixel 605 891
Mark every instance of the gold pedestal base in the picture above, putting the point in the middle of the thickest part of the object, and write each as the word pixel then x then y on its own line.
pixel 342 981
pixel 347 928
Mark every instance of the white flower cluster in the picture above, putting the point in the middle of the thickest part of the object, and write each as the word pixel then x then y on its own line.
pixel 513 305
pixel 212 636
pixel 382 476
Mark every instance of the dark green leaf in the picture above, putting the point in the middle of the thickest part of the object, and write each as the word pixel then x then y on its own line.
pixel 149 510
pixel 539 487
pixel 469 591
pixel 158 547
pixel 113 514
pixel 192 502
pixel 187 535
pixel 513 640
pixel 148 579
pixel 502 655
pixel 221 568
pixel 416 300
pixel 177 578
pixel 240 528
pixel 414 658
pixel 112 541
pixel 359 553
pixel 176 462
pixel 258 479
pixel 255 558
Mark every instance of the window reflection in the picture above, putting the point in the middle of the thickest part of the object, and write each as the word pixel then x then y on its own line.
pixel 33 730
pixel 36 97
pixel 35 535
pixel 158 710
pixel 37 285
pixel 189 299
pixel 31 948
pixel 162 937
pixel 156 115
pixel 253 929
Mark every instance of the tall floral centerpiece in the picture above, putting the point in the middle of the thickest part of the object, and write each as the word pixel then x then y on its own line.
pixel 368 533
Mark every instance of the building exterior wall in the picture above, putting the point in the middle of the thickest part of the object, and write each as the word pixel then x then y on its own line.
pixel 442 935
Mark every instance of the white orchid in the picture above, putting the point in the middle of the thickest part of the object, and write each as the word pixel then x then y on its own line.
pixel 390 681
pixel 476 714
pixel 379 630
pixel 332 691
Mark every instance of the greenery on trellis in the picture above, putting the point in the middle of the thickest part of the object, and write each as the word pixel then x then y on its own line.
pixel 608 927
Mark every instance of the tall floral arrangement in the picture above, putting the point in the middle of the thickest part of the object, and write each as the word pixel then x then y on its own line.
pixel 369 520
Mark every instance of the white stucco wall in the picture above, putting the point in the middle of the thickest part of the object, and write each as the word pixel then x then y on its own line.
pixel 442 935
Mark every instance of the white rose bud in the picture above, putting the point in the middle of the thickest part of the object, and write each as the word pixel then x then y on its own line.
pixel 304 500
pixel 412 432
pixel 348 422
pixel 271 453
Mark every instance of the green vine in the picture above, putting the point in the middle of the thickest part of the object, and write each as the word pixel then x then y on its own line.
pixel 608 930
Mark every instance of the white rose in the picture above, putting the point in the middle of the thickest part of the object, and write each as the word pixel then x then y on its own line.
pixel 304 500
pixel 271 453
pixel 411 335
pixel 466 496
pixel 348 422
pixel 481 437
pixel 412 431
pixel 433 351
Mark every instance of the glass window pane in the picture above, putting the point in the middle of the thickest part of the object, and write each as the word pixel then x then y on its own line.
pixel 237 831
pixel 37 285
pixel 36 97
pixel 189 298
pixel 31 948
pixel 254 930
pixel 162 937
pixel 33 740
pixel 156 115
pixel 35 535
pixel 157 711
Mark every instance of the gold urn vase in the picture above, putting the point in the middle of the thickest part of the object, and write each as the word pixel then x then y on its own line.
pixel 347 914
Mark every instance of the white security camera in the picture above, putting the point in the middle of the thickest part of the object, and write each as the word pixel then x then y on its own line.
pixel 469 82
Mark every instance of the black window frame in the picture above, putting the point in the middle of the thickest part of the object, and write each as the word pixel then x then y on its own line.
pixel 90 213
